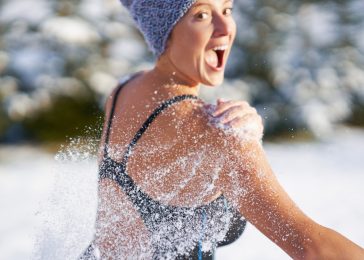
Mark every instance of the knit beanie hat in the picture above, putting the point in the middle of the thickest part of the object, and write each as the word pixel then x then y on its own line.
pixel 156 19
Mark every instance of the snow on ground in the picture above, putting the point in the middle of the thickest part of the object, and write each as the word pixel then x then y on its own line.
pixel 324 178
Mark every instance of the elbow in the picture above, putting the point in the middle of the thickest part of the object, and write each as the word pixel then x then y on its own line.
pixel 317 246
pixel 328 244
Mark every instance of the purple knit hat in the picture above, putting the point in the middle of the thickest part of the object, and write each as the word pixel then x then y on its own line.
pixel 156 19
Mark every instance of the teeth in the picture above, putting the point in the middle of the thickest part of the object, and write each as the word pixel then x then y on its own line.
pixel 220 48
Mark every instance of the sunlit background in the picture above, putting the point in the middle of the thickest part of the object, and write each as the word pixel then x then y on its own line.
pixel 300 63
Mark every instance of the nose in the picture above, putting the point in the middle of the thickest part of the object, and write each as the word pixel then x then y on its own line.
pixel 223 25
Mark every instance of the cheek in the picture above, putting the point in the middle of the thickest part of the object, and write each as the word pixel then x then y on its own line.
pixel 192 44
pixel 233 29
pixel 187 53
pixel 195 45
pixel 192 39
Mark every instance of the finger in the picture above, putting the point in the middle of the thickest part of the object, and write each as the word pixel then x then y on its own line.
pixel 207 106
pixel 234 112
pixel 250 129
pixel 248 119
pixel 244 120
pixel 236 122
pixel 221 107
pixel 220 100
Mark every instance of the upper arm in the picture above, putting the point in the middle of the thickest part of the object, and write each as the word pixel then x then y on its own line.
pixel 120 230
pixel 262 200
pixel 250 184
pixel 248 181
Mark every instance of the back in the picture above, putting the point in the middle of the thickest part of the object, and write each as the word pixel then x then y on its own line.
pixel 167 192
pixel 178 158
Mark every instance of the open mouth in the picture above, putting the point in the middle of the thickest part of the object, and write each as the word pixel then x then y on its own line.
pixel 220 57
pixel 215 57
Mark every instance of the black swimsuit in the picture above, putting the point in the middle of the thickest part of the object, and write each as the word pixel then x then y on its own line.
pixel 177 232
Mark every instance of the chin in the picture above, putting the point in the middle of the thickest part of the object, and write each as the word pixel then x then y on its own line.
pixel 213 81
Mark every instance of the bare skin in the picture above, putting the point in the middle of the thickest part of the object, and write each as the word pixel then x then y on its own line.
pixel 246 178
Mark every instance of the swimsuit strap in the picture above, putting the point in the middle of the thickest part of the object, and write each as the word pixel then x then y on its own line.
pixel 150 119
pixel 123 81
pixel 146 124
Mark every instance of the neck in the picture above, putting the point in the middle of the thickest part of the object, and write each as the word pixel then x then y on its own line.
pixel 166 78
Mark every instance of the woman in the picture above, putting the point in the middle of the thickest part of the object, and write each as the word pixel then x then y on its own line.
pixel 177 175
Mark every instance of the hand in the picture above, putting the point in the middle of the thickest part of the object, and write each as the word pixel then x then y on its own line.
pixel 238 116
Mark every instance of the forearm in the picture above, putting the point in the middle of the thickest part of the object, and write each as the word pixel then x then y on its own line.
pixel 267 206
pixel 329 244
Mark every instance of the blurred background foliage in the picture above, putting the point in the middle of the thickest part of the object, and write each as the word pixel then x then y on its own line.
pixel 300 63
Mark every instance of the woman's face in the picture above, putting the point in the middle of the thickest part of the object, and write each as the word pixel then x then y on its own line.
pixel 201 41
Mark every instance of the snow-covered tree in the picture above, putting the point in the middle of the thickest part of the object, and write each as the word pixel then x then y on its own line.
pixel 300 63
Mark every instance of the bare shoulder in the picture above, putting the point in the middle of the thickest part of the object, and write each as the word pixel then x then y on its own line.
pixel 126 80
pixel 111 99
pixel 223 144
pixel 192 121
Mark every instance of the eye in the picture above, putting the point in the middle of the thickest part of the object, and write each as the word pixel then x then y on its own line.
pixel 202 15
pixel 228 11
